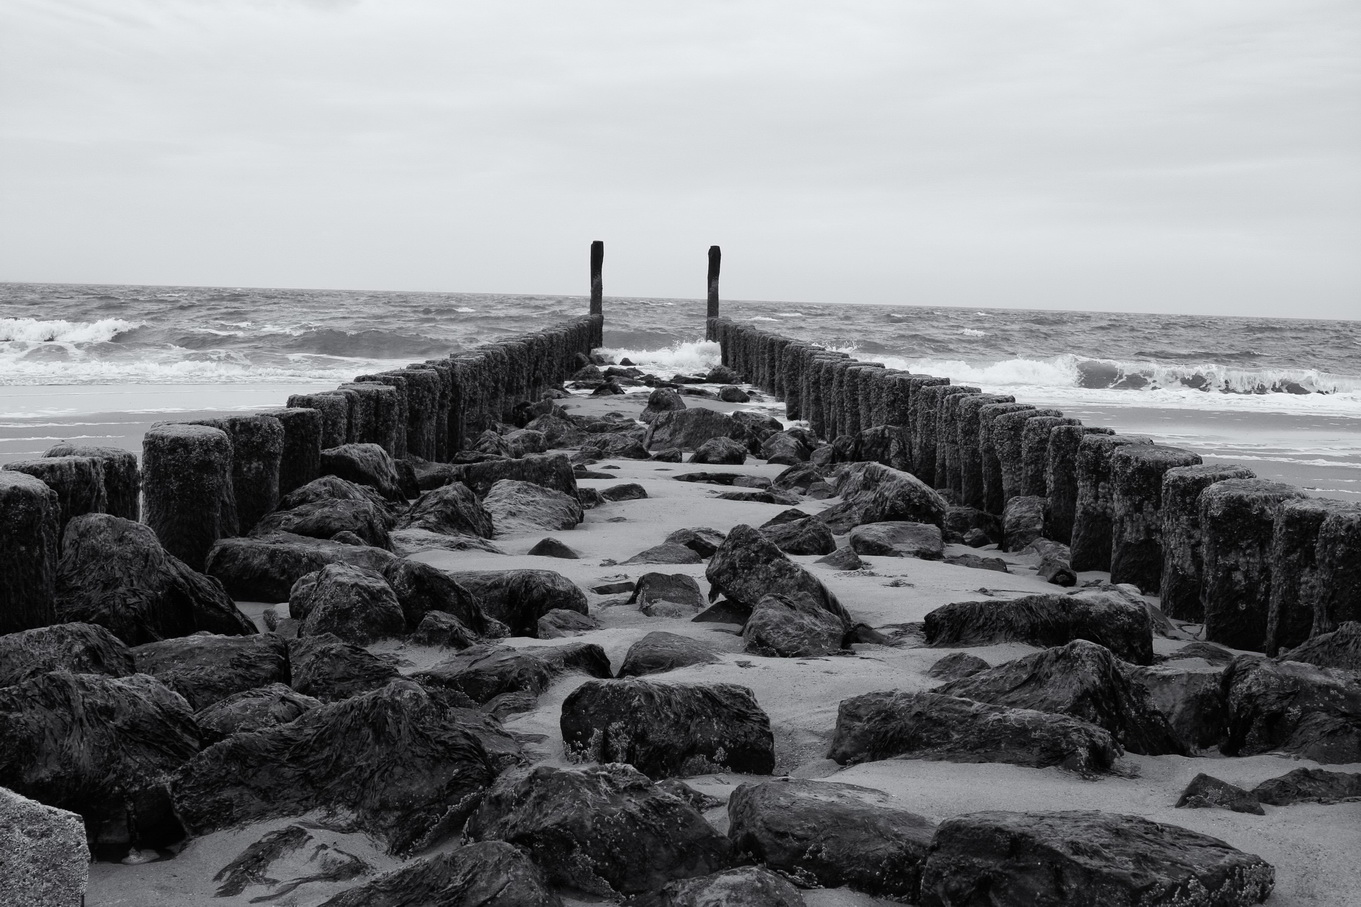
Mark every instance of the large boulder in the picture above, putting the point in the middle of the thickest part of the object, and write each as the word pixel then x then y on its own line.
pixel 784 626
pixel 364 464
pixel 1208 792
pixel 667 595
pixel 1310 785
pixel 265 569
pixel 355 604
pixel 659 651
pixel 897 538
pixel 1023 521
pixel 807 535
pixel 252 710
pixel 720 452
pixel 324 519
pixel 518 598
pixel 701 540
pixel 614 446
pixel 749 886
pixel 205 668
pixel 872 493
pixel 668 730
pixel 1294 708
pixel 484 672
pixel 517 507
pixel 1087 857
pixel 608 831
pixel 661 400
pixel 114 572
pixel 330 669
pixel 99 746
pixel 409 770
pixel 46 861
pixel 75 647
pixel 1046 620
pixel 876 726
pixel 551 471
pixel 688 429
pixel 325 489
pixel 788 448
pixel 747 567
pixel 1339 649
pixel 485 874
pixel 1189 697
pixel 827 835
pixel 1080 679
pixel 421 589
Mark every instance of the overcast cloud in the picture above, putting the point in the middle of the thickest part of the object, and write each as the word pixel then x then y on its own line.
pixel 1148 156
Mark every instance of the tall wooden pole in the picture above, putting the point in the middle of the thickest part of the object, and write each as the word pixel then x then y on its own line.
pixel 715 257
pixel 597 284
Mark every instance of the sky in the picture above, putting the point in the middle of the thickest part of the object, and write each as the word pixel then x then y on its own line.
pixel 1191 156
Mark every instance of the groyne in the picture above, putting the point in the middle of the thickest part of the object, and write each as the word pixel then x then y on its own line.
pixel 1259 563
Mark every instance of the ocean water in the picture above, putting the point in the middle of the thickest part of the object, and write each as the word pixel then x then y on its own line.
pixel 1280 395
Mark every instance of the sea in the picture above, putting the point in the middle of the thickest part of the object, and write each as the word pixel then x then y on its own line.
pixel 1279 395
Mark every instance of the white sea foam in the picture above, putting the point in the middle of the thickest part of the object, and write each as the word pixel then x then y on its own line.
pixel 464 310
pixel 33 330
pixel 970 332
pixel 689 356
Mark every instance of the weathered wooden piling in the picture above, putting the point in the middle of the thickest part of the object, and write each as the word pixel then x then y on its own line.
pixel 29 526
pixel 334 407
pixel 400 402
pixel 791 377
pixel 993 499
pixel 300 461
pixel 78 482
pixel 1035 452
pixel 715 261
pixel 1339 570
pixel 257 454
pixel 187 488
pixel 1137 472
pixel 122 479
pixel 969 453
pixel 1061 477
pixel 1294 571
pixel 422 412
pixel 926 397
pixel 375 413
pixel 1008 444
pixel 598 280
pixel 857 396
pixel 946 431
pixel 444 371
pixel 1183 565
pixel 1094 513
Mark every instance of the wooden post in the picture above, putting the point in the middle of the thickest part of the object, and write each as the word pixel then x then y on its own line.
pixel 715 258
pixel 597 284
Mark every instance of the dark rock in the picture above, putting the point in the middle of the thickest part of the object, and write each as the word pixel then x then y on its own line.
pixel 421 588
pixel 252 710
pixel 667 553
pixel 721 374
pixel 614 446
pixel 896 538
pixel 872 493
pixel 354 604
pixel 760 497
pixel 487 671
pixel 658 652
pixel 842 559
pixel 406 542
pixel 364 464
pixel 519 507
pixel 661 400
pixel 205 669
pixel 960 521
pixel 486 874
pixel 324 519
pixel 1082 680
pixel 122 480
pixel 957 665
pixel 1206 651
pixel 720 451
pixel 333 488
pixel 1190 700
pixel 451 509
pixel 1206 792
pixel 332 670
pixel 292 850
pixel 551 547
pixel 826 835
pixel 1023 522
pixel 747 567
pixel 1007 858
pixel 76 648
pixel 47 859
pixel 669 455
pixel 1045 620
pixel 550 471
pixel 518 598
pixel 749 886
pixel 590 499
pixel 703 541
pixel 492 443
pixel 525 441
pixel 786 448
pixel 443 631
pixel 614 587
pixel 410 770
pixel 1310 785
pixel 690 428
pixel 724 612
pixel 265 569
pixel 733 394
pixel 792 627
pixel 560 623
pixel 115 573
pixel 668 729
pixel 1292 707
pixel 606 831
pixel 975 562
pixel 629 491
pixel 99 746
pixel 710 478
pixel 877 726
pixel 609 388
pixel 1339 649
pixel 78 482
pixel 797 478
pixel 807 535
pixel 977 538
pixel 667 595
pixel 1051 560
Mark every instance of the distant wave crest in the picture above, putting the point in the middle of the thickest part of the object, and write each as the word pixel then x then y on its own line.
pixel 33 330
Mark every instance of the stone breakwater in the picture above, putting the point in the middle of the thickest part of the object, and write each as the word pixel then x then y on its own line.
pixel 1260 564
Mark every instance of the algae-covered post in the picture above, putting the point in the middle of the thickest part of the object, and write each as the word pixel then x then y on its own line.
pixel 597 282
pixel 715 258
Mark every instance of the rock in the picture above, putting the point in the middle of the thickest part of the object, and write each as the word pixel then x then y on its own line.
pixel 74 647
pixel 608 831
pixel 628 491
pixel 78 482
pixel 332 670
pixel 1023 521
pixel 895 538
pixel 99 746
pixel 703 541
pixel 1205 651
pixel 668 729
pixel 725 611
pixel 792 627
pixel 877 726
pixel 451 509
pixel 690 428
pixel 975 562
pixel 406 542
pixel 1339 649
pixel 807 535
pixel 720 451
pixel 252 710
pixel 486 671
pixel 1051 560
pixel 287 859
pixel 29 535
pixel 796 478
pixel 354 604
pixel 549 471
pixel 46 862
pixel 749 886
pixel 115 573
pixel 410 769
pixel 551 547
pixel 760 497
pixel 560 623
pixel 1082 680
pixel 658 652
pixel 788 448
pixel 519 507
pixel 205 668
pixel 1292 707
pixel 957 665
pixel 872 493
pixel 1190 700
pixel 842 559
pixel 667 595
pixel 525 441
pixel 1007 858
pixel 666 553
pixel 613 446
pixel 747 567
pixel 1206 792
pixel 122 480
pixel 422 589
pixel 444 631
pixel 265 569
pixel 669 455
pixel 733 394
pixel 364 464
pixel 324 519
pixel 486 874
pixel 1045 620
pixel 721 374
pixel 960 522
pixel 333 488
pixel 828 835
pixel 613 586
pixel 609 388
pixel 518 598
pixel 187 484
pixel 1310 785
pixel 720 478
pixel 661 400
